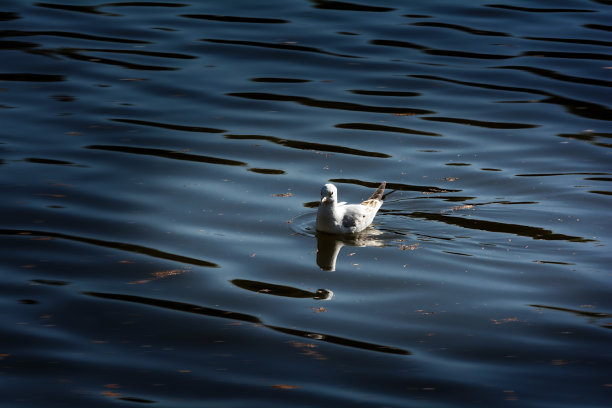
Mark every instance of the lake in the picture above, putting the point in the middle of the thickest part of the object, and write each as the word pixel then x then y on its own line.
pixel 161 165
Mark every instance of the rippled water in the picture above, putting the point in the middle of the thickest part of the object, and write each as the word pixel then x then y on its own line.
pixel 160 169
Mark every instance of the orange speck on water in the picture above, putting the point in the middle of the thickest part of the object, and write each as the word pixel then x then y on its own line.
pixel 285 387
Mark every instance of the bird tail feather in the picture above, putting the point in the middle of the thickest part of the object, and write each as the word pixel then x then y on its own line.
pixel 378 194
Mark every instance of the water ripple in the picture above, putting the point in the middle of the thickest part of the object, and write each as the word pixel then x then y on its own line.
pixel 576 107
pixel 568 55
pixel 31 77
pixel 96 9
pixel 296 144
pixel 481 123
pixel 348 6
pixel 274 289
pixel 68 34
pixel 302 100
pixel 548 73
pixel 457 27
pixel 494 226
pixel 282 46
pixel 398 94
pixel 168 154
pixel 384 128
pixel 395 186
pixel 235 19
pixel 122 246
pixel 538 10
pixel 582 41
pixel 172 126
pixel 227 314
pixel 77 54
pixel 139 136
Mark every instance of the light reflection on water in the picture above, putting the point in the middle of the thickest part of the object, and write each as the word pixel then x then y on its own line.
pixel 161 164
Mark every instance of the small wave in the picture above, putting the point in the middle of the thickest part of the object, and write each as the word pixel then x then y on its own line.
pixel 317 103
pixel 122 246
pixel 168 154
pixel 465 29
pixel 297 144
pixel 538 10
pixel 481 123
pixel 96 9
pixel 536 233
pixel 236 19
pixel 281 46
pixel 384 128
pixel 228 314
pixel 28 77
pixel 77 54
pixel 347 6
pixel 172 126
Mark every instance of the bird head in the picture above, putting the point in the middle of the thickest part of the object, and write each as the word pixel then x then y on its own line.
pixel 329 194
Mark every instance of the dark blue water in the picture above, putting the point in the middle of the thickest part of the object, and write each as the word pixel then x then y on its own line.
pixel 160 168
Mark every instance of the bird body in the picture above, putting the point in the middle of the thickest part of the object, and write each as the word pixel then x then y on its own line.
pixel 336 217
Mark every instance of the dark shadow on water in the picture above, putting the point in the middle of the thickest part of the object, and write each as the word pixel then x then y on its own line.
pixel 317 103
pixel 276 80
pixel 170 126
pixel 68 34
pixel 563 174
pixel 397 43
pixel 236 19
pixel 50 282
pixel 445 53
pixel 538 10
pixel 281 290
pixel 277 46
pixel 395 186
pixel 551 74
pixel 40 160
pixel 348 6
pixel 27 77
pixel 396 94
pixel 96 9
pixel 227 314
pixel 121 246
pixel 76 8
pixel 267 171
pixel 458 27
pixel 297 144
pixel 168 154
pixel 493 226
pixel 481 123
pixel 584 41
pixel 576 107
pixel 589 136
pixel 8 16
pixel 593 317
pixel 77 54
pixel 383 128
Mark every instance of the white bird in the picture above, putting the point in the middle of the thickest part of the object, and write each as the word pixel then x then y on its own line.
pixel 342 218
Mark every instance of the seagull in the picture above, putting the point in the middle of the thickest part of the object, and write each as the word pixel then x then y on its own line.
pixel 342 218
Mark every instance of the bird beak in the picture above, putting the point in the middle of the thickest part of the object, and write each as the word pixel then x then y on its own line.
pixel 323 200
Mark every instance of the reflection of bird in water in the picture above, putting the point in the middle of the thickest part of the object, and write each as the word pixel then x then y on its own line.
pixel 334 217
pixel 328 246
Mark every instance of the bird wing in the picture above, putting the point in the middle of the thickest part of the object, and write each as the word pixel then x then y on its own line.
pixel 354 216
pixel 372 203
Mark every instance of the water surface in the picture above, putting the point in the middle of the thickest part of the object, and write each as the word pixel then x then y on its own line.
pixel 160 165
